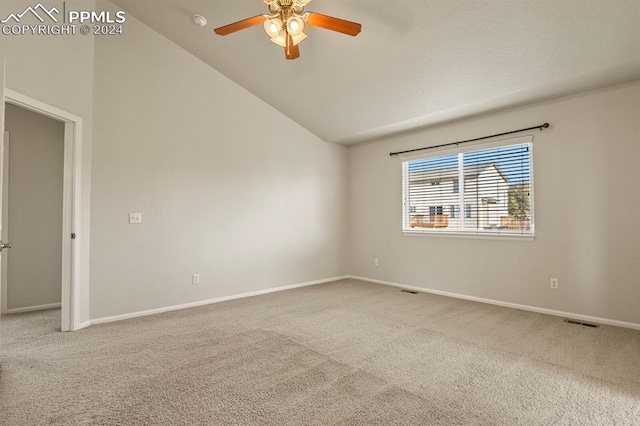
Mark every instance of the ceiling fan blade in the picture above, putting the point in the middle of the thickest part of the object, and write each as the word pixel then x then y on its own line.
pixel 333 24
pixel 291 51
pixel 240 25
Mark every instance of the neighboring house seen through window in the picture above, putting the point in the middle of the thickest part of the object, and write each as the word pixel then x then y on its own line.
pixel 497 197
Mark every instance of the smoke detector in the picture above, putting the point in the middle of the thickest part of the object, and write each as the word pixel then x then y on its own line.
pixel 199 20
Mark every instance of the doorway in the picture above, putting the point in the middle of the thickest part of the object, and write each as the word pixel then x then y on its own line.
pixel 69 202
pixel 33 168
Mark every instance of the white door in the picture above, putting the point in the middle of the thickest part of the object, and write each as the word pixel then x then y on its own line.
pixel 4 218
pixel 1 154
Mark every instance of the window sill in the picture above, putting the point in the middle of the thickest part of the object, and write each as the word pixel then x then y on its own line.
pixel 460 234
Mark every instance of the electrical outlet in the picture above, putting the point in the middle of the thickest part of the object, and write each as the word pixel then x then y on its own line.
pixel 375 262
pixel 135 218
pixel 554 283
pixel 195 279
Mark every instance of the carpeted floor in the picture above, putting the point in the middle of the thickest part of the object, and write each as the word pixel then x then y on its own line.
pixel 344 353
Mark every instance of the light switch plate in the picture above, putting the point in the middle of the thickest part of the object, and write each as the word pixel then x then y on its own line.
pixel 135 218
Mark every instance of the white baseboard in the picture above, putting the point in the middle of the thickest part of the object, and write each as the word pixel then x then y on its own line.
pixel 536 309
pixel 33 308
pixel 206 302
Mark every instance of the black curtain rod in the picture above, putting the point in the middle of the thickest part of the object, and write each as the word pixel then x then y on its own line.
pixel 541 126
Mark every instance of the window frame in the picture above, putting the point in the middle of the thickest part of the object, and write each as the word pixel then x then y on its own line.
pixel 460 150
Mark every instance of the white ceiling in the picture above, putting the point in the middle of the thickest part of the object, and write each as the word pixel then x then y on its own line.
pixel 416 62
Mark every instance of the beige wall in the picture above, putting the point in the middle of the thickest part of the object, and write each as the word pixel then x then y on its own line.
pixel 228 187
pixel 58 70
pixel 586 203
pixel 36 159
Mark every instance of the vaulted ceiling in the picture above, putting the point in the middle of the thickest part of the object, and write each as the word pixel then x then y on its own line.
pixel 416 62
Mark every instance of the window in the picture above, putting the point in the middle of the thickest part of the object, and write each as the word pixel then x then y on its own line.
pixel 497 198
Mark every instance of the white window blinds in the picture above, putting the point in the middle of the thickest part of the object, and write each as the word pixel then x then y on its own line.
pixel 485 191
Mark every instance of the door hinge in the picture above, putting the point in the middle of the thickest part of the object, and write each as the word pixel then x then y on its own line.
pixel 73 235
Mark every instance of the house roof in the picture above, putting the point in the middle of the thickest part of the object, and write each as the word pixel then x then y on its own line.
pixel 470 173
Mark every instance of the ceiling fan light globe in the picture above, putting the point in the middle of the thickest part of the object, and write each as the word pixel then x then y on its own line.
pixel 298 38
pixel 280 39
pixel 272 27
pixel 295 25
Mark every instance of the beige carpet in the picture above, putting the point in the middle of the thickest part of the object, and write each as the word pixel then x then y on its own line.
pixel 345 353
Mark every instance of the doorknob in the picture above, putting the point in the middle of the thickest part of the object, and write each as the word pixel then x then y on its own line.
pixel 4 246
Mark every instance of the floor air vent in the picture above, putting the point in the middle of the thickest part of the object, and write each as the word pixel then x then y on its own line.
pixel 584 324
pixel 409 291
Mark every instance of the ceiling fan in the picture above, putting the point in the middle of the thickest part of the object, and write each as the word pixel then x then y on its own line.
pixel 286 23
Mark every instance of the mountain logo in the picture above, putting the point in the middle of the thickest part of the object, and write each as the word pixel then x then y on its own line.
pixel 38 11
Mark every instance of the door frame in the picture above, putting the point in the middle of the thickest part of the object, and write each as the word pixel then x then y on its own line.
pixel 71 201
